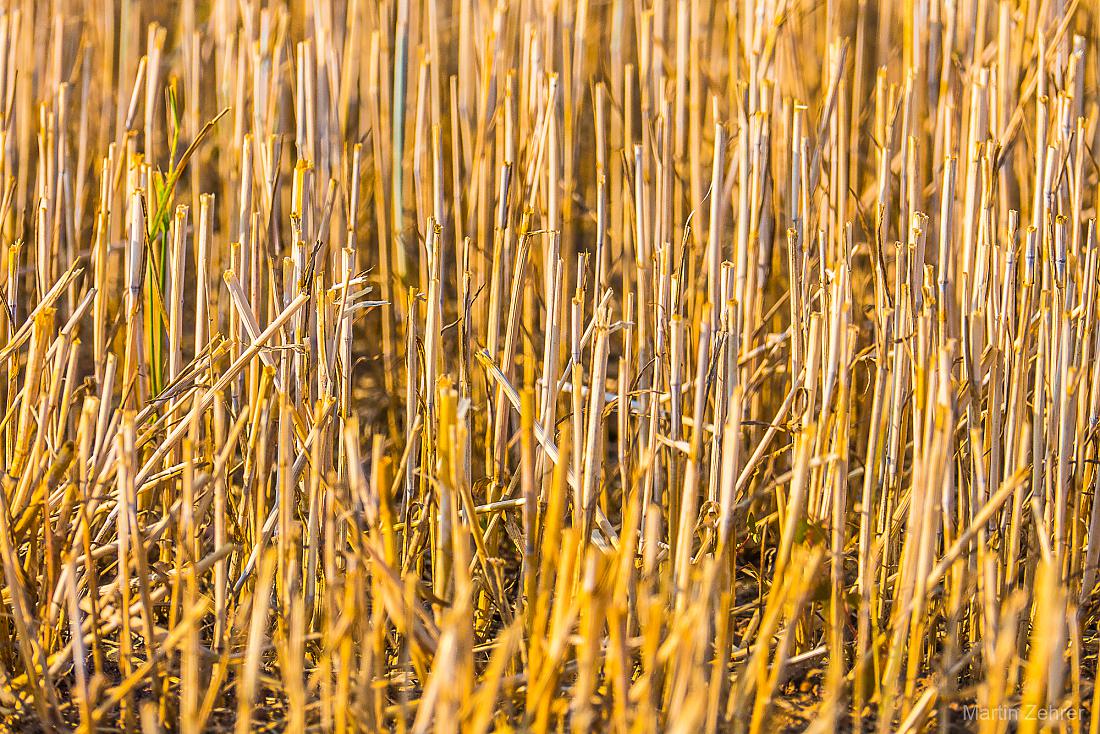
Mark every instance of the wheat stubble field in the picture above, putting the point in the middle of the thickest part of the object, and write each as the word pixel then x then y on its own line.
pixel 549 365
